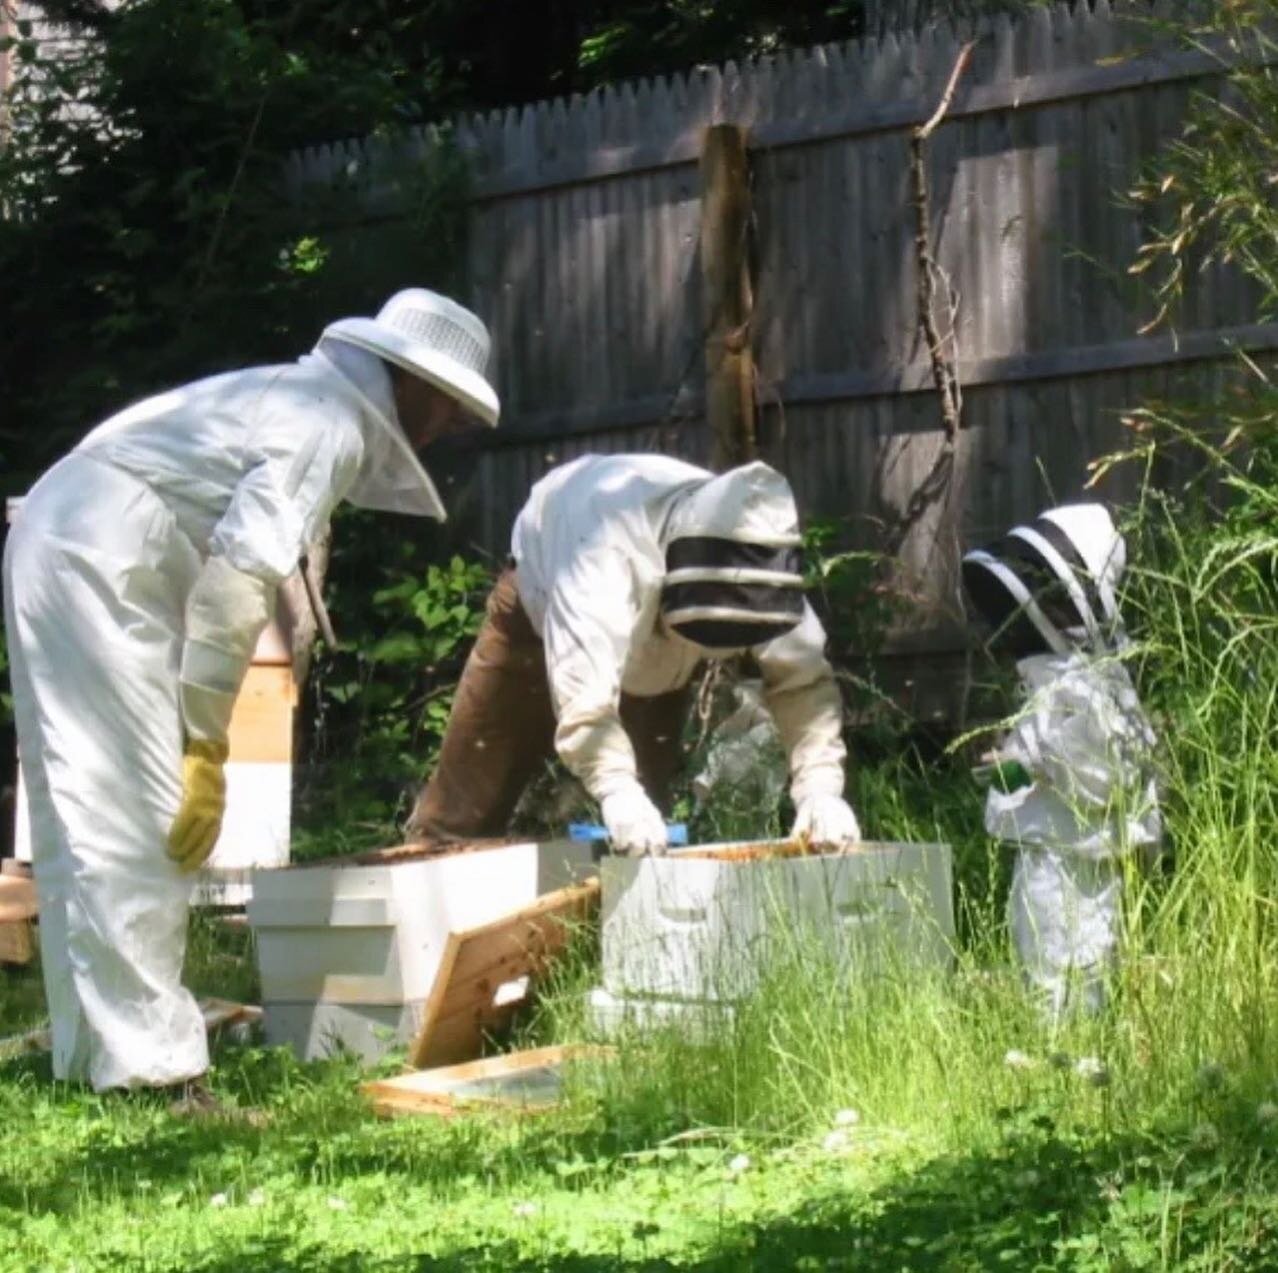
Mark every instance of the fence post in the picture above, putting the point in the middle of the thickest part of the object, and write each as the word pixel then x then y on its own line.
pixel 728 295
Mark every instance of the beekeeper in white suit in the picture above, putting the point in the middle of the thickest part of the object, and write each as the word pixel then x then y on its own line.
pixel 627 571
pixel 1073 788
pixel 138 575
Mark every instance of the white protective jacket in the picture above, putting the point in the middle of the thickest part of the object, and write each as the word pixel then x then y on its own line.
pixel 146 557
pixel 1087 744
pixel 1088 747
pixel 589 547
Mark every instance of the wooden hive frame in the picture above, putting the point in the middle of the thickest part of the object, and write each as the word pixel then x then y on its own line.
pixel 463 1004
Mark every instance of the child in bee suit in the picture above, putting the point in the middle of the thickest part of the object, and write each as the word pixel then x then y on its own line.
pixel 1073 787
pixel 629 571
pixel 138 575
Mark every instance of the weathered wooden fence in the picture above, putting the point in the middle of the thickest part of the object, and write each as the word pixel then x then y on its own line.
pixel 584 257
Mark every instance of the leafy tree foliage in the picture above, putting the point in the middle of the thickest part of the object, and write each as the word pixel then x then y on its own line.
pixel 146 238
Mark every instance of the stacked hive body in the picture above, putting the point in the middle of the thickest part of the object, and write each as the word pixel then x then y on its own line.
pixel 349 950
pixel 688 935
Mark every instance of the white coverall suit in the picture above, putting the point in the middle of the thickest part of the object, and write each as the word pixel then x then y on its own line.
pixel 1087 745
pixel 113 661
pixel 632 569
pixel 1081 738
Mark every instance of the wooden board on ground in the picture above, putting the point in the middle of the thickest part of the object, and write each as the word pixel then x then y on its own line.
pixel 17 899
pixel 526 1082
pixel 464 1003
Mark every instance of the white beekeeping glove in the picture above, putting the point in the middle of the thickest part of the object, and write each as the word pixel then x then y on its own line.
pixel 635 825
pixel 826 819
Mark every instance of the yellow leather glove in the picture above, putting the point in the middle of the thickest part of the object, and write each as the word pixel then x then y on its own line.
pixel 199 819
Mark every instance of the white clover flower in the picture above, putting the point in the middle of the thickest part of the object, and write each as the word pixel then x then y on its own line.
pixel 256 1198
pixel 218 1200
pixel 1266 1113
pixel 835 1142
pixel 1015 1059
pixel 338 1204
pixel 525 1209
pixel 847 1118
pixel 739 1164
pixel 1093 1070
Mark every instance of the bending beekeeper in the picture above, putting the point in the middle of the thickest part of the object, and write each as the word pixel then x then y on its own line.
pixel 138 575
pixel 627 571
pixel 1073 785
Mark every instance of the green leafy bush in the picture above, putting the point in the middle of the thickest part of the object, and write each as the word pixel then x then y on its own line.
pixel 380 702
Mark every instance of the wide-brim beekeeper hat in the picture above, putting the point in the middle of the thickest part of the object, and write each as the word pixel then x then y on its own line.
pixel 734 572
pixel 434 338
pixel 1051 585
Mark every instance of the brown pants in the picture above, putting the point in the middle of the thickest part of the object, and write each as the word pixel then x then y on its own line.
pixel 502 730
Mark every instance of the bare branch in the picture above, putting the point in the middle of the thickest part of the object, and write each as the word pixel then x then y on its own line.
pixel 924 131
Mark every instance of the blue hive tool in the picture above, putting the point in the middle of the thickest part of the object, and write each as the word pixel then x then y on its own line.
pixel 677 832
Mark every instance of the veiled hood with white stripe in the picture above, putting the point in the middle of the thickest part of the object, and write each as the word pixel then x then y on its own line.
pixel 1050 586
pixel 734 575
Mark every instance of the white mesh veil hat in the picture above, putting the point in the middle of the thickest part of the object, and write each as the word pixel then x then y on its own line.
pixel 1052 583
pixel 734 576
pixel 391 477
pixel 434 338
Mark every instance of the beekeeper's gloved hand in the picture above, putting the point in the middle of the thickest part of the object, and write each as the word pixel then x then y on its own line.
pixel 199 819
pixel 826 819
pixel 635 825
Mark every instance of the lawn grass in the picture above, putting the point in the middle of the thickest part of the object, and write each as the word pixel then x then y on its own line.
pixel 910 1124
pixel 1053 1171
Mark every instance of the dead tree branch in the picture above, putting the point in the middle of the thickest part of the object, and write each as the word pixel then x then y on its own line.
pixel 933 289
pixel 941 351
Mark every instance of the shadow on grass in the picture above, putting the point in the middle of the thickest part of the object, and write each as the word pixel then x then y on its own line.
pixel 1038 1202
pixel 1042 1198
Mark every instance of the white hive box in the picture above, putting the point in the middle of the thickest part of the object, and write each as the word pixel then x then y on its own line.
pixel 348 950
pixel 705 924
